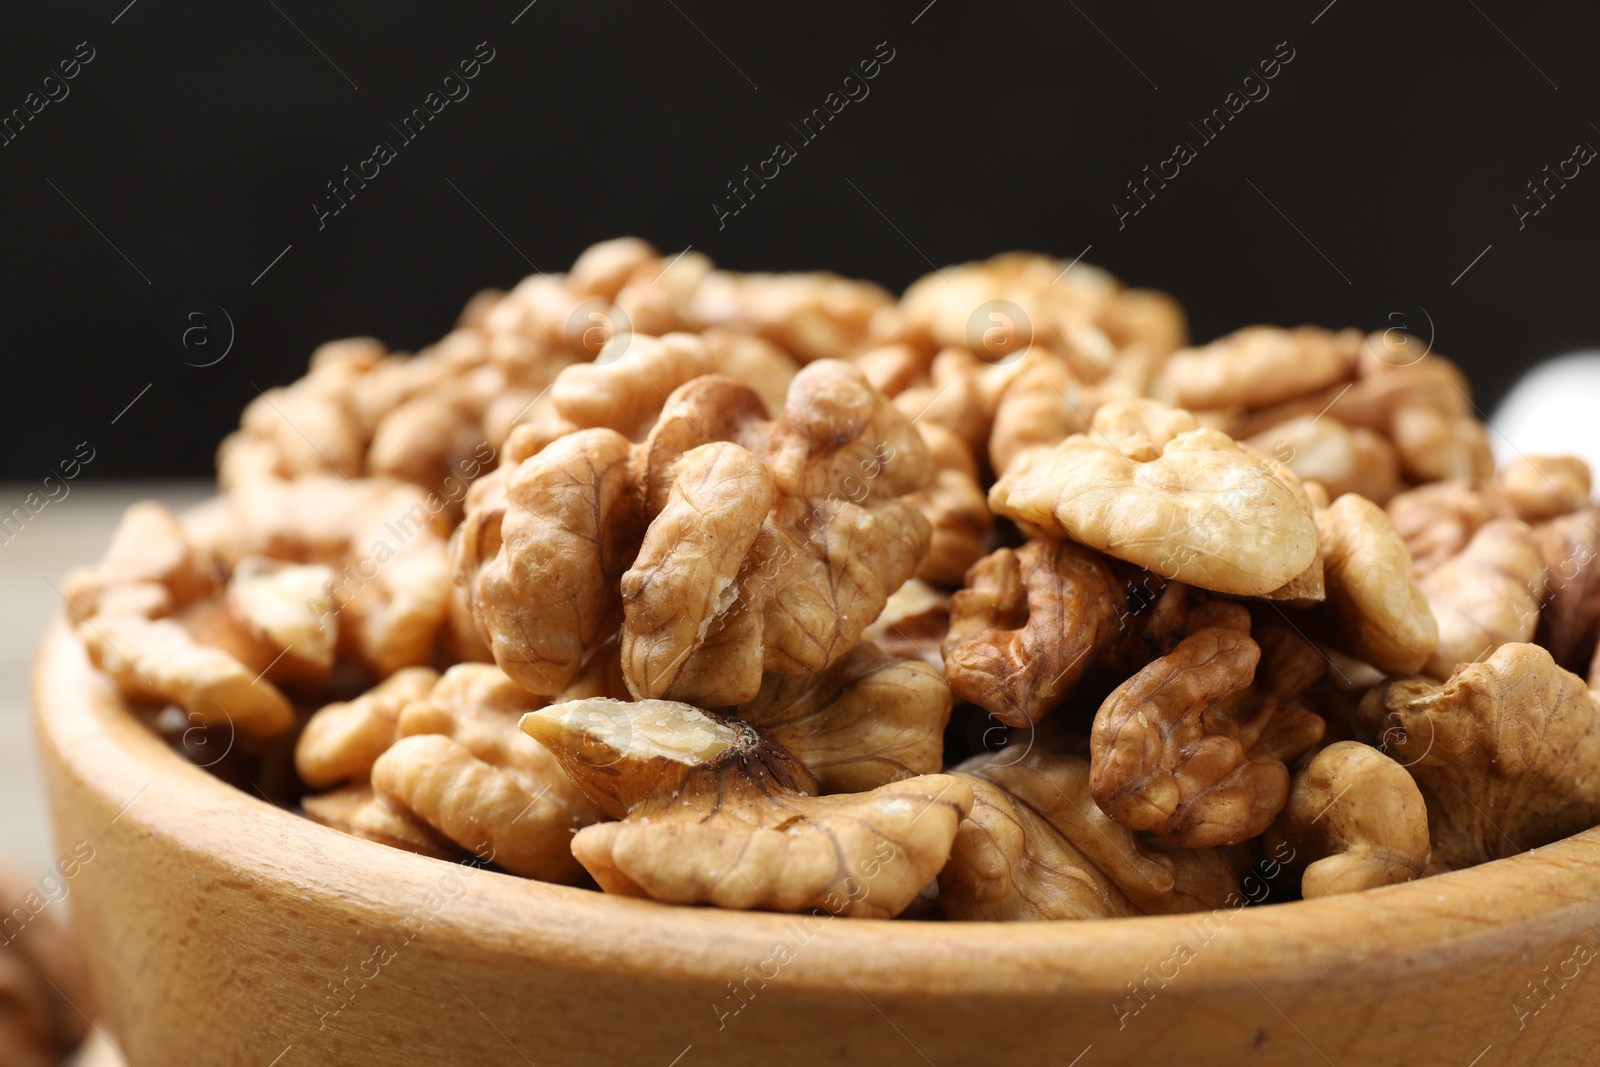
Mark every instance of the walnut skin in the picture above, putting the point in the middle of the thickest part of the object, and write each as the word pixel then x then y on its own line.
pixel 1504 752
pixel 1036 847
pixel 1381 615
pixel 1486 596
pixel 790 592
pixel 1154 488
pixel 713 813
pixel 1027 627
pixel 1355 820
pixel 542 565
pixel 1185 750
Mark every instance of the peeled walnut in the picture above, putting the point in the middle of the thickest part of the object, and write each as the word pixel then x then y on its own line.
pixel 541 562
pixel 383 539
pixel 1355 820
pixel 1344 459
pixel 1191 750
pixel 1538 488
pixel 1005 304
pixel 341 741
pixel 1504 751
pixel 955 507
pixel 625 389
pixel 358 811
pixel 1028 626
pixel 868 720
pixel 1152 487
pixel 1146 319
pixel 148 549
pixel 1259 366
pixel 914 622
pixel 773 547
pixel 288 609
pixel 1569 617
pixel 46 1000
pixel 1436 521
pixel 1381 615
pixel 159 660
pixel 1036 847
pixel 961 394
pixel 810 316
pixel 1435 444
pixel 1043 404
pixel 713 813
pixel 1485 597
pixel 462 766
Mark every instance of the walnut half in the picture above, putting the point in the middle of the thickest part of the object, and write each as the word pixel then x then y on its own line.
pixel 712 812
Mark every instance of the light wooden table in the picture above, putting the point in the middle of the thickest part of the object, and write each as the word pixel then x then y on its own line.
pixel 67 532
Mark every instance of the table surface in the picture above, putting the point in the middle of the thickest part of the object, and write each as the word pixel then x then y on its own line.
pixel 67 532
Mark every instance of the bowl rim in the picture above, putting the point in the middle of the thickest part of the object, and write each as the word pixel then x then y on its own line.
pixel 88 734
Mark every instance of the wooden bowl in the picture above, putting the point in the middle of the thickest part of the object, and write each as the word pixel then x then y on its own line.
pixel 221 929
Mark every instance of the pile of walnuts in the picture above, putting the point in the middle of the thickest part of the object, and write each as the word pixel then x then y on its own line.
pixel 995 601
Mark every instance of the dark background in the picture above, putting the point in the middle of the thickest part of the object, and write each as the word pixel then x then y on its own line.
pixel 199 136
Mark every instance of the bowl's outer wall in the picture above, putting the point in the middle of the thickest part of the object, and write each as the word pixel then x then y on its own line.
pixel 221 930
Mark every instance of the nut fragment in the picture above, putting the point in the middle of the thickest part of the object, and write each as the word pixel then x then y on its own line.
pixel 46 1001
pixel 342 740
pixel 1190 750
pixel 158 660
pixel 1505 752
pixel 914 622
pixel 357 811
pixel 1152 487
pixel 1259 366
pixel 289 607
pixel 955 507
pixel 714 813
pixel 1027 627
pixel 1569 618
pixel 1543 487
pixel 1487 596
pixel 1355 820
pixel 868 720
pixel 479 806
pixel 148 548
pixel 1043 405
pixel 811 316
pixel 1436 521
pixel 1381 615
pixel 1344 459
pixel 1036 847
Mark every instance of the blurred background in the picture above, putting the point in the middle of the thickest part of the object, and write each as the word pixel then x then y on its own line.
pixel 1423 167
pixel 179 171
